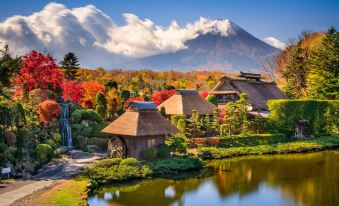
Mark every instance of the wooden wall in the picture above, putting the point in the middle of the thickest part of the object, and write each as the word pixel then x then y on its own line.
pixel 135 145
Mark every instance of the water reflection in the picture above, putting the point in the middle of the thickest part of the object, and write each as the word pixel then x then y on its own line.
pixel 297 179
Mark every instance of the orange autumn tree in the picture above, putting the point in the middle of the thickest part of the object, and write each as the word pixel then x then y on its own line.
pixel 90 90
pixel 48 110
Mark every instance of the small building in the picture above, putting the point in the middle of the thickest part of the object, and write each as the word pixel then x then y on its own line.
pixel 139 128
pixel 258 90
pixel 184 101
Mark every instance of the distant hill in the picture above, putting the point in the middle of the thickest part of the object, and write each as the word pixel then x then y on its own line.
pixel 228 48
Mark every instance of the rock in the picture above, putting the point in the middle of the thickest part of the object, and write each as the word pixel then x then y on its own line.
pixel 26 176
pixel 10 137
pixel 93 148
pixel 29 167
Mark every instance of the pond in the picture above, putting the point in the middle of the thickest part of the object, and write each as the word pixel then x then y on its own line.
pixel 291 179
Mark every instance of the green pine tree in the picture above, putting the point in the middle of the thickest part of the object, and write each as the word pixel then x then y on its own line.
pixel 70 66
pixel 323 80
pixel 8 66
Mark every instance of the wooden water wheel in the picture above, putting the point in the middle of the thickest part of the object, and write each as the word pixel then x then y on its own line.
pixel 117 148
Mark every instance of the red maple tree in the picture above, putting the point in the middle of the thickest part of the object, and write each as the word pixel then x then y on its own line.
pixel 39 71
pixel 72 90
pixel 204 94
pixel 160 97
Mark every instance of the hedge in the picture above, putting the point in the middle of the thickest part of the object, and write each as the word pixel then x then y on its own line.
pixel 321 114
pixel 252 140
pixel 117 170
pixel 88 114
pixel 280 148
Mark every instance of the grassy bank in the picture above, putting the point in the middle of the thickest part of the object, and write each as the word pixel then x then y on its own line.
pixel 72 192
pixel 278 148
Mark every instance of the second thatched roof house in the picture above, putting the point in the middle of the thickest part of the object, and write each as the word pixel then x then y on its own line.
pixel 139 128
pixel 184 101
pixel 259 91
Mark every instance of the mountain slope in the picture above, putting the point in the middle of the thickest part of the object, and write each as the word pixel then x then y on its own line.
pixel 222 46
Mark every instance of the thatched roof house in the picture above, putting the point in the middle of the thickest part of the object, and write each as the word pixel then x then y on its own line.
pixel 259 91
pixel 141 127
pixel 184 101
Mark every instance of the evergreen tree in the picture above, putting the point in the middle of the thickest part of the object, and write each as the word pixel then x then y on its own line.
pixel 216 121
pixel 8 66
pixel 125 95
pixel 70 66
pixel 296 73
pixel 101 104
pixel 163 111
pixel 111 84
pixel 323 80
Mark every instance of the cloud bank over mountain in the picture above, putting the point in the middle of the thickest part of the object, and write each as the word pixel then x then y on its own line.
pixel 96 38
pixel 275 42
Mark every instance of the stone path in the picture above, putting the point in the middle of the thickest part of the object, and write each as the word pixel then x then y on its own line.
pixel 75 162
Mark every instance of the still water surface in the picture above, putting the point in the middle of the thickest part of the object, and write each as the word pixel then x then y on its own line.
pixel 279 180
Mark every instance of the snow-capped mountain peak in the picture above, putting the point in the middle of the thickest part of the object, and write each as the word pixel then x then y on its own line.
pixel 223 27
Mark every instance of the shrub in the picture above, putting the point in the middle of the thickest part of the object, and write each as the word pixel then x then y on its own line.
pixel 164 151
pixel 85 114
pixel 321 114
pixel 48 110
pixel 51 143
pixel 43 153
pixel 173 165
pixel 116 170
pixel 179 144
pixel 94 116
pixel 208 141
pixel 181 125
pixel 108 162
pixel 252 140
pixel 212 99
pixel 130 162
pixel 149 154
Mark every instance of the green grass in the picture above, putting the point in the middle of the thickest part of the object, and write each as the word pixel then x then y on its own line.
pixel 279 148
pixel 72 192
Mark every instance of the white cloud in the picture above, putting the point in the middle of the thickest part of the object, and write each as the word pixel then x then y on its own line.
pixel 95 37
pixel 275 42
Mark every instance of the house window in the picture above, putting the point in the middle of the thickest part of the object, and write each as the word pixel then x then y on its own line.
pixel 151 142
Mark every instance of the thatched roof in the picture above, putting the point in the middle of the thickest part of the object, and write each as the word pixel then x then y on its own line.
pixel 259 92
pixel 141 119
pixel 184 101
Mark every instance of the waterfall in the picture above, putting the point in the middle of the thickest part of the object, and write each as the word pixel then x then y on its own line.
pixel 65 126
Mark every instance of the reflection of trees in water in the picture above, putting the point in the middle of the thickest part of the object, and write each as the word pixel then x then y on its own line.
pixel 307 179
pixel 144 192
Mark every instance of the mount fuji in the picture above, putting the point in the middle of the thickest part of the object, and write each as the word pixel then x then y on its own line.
pixel 219 45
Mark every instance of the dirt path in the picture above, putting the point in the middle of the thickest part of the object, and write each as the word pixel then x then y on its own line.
pixel 74 162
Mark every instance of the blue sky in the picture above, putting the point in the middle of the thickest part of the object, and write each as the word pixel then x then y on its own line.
pixel 263 18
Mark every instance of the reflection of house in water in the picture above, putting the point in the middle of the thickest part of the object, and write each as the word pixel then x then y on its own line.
pixel 259 91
